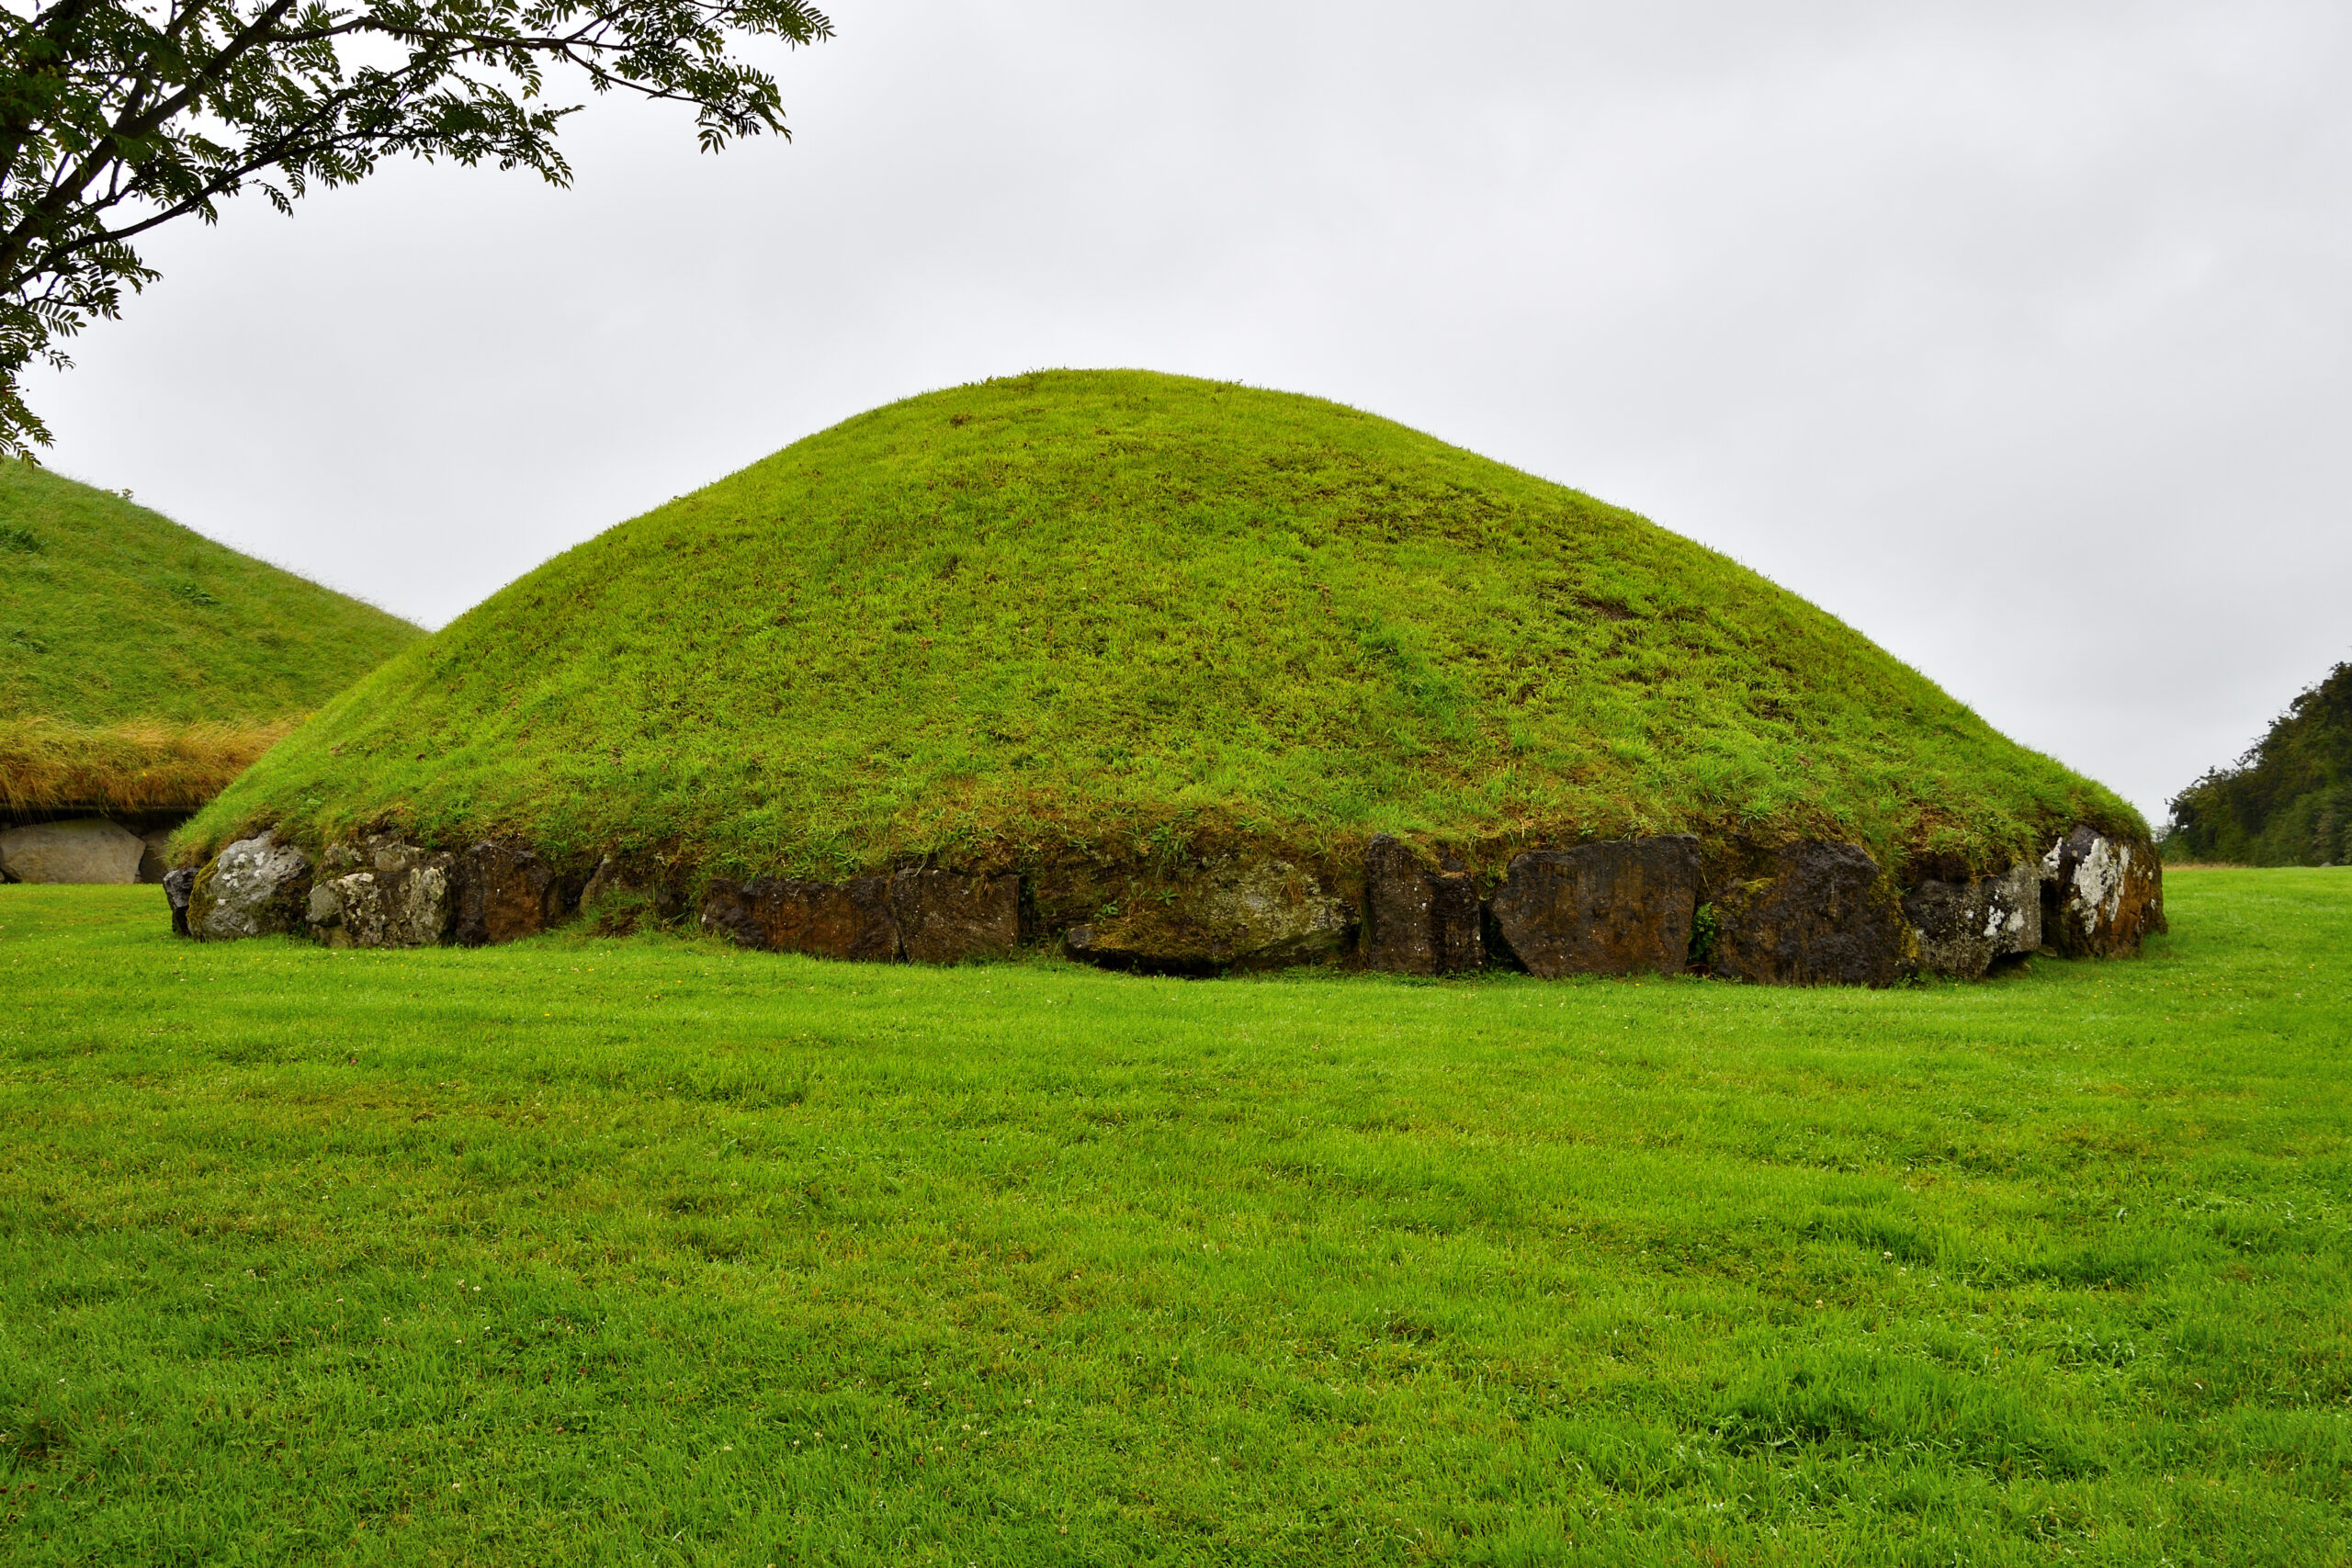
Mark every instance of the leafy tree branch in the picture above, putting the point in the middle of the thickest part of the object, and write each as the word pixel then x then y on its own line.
pixel 119 116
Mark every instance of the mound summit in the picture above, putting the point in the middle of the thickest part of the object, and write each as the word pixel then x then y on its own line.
pixel 1181 676
pixel 143 667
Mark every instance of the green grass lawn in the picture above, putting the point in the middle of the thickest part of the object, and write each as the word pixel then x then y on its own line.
pixel 654 1251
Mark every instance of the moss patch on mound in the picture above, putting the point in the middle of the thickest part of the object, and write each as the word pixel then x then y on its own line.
pixel 143 666
pixel 1074 608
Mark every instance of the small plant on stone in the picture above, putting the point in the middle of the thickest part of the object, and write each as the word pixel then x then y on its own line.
pixel 1702 935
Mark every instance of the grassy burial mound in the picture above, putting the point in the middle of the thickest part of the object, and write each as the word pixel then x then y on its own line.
pixel 2288 800
pixel 1183 676
pixel 143 667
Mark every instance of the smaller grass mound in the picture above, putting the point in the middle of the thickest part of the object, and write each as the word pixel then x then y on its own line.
pixel 142 666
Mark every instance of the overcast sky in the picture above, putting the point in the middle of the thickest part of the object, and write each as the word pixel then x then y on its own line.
pixel 2015 335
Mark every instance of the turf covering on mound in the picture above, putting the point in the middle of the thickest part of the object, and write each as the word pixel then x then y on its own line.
pixel 1074 608
pixel 143 666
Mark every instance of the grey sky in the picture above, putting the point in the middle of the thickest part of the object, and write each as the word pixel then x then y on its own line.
pixel 2015 335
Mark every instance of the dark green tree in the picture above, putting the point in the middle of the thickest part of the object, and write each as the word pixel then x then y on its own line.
pixel 2288 800
pixel 117 116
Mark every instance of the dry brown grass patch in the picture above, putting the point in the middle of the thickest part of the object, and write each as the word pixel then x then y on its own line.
pixel 47 764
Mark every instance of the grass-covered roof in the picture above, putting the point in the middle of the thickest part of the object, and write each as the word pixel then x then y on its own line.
pixel 1116 605
pixel 143 666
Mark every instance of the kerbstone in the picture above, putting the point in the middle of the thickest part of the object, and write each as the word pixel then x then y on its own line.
pixel 177 886
pixel 622 886
pixel 506 892
pixel 256 886
pixel 1823 914
pixel 1232 915
pixel 86 849
pixel 1620 907
pixel 2100 896
pixel 849 921
pixel 1964 927
pixel 408 902
pixel 945 918
pixel 1419 919
pixel 924 915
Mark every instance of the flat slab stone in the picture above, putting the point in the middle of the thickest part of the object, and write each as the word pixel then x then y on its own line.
pixel 945 918
pixel 409 901
pixel 86 848
pixel 1226 915
pixel 1418 918
pixel 783 914
pixel 256 886
pixel 1825 915
pixel 1964 926
pixel 1620 908
pixel 2100 896
pixel 506 892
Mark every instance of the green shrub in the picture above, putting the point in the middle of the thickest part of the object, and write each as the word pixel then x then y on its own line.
pixel 2288 800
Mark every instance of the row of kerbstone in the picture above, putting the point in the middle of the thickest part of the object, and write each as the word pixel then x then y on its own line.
pixel 1806 913
pixel 1814 913
pixel 381 892
pixel 385 892
pixel 1821 913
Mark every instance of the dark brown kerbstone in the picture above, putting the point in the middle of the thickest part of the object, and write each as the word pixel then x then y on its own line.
pixel 1457 923
pixel 1965 924
pixel 2100 896
pixel 1418 919
pixel 506 892
pixel 1824 916
pixel 732 909
pixel 1620 908
pixel 784 914
pixel 944 917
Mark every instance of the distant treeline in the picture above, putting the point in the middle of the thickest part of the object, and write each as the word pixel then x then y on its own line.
pixel 2288 801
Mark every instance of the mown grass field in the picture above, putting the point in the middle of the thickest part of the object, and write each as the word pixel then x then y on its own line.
pixel 653 1251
